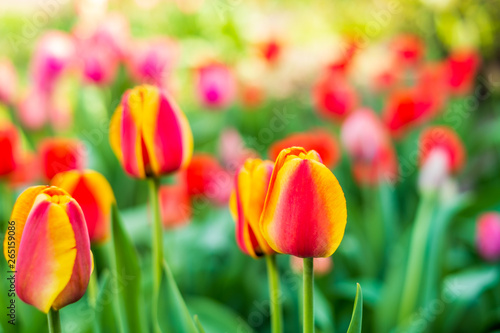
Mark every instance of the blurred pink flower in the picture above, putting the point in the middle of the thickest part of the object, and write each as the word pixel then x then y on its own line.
pixel 54 53
pixel 153 60
pixel 321 267
pixel 369 145
pixel 216 85
pixel 488 236
pixel 8 81
pixel 32 109
pixel 98 61
pixel 233 151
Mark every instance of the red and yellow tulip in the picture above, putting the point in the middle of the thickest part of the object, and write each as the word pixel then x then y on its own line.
pixel 149 133
pixel 50 249
pixel 304 212
pixel 95 196
pixel 246 205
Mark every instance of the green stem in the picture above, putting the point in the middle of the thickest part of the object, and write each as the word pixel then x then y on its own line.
pixel 416 256
pixel 157 235
pixel 92 288
pixel 54 321
pixel 274 291
pixel 308 296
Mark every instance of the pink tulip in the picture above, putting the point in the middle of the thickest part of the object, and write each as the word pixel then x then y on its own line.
pixel 216 85
pixel 488 236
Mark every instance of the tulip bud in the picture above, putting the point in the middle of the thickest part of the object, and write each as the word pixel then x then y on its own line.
pixel 9 148
pixel 216 86
pixel 318 140
pixel 246 205
pixel 333 96
pixel 59 155
pixel 488 236
pixel 445 139
pixel 50 248
pixel 149 134
pixel 95 196
pixel 304 212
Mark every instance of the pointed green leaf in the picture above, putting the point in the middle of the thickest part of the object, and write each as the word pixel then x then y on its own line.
pixel 173 314
pixel 198 324
pixel 127 275
pixel 357 312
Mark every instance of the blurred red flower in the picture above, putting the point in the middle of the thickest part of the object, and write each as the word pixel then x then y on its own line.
pixel 9 148
pixel 409 49
pixel 175 205
pixel 59 155
pixel 324 143
pixel 445 139
pixel 333 96
pixel 462 67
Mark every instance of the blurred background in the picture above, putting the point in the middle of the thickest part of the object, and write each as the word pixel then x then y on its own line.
pixel 253 77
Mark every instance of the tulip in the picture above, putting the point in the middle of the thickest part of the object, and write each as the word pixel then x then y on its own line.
pixel 59 155
pixel 462 66
pixel 9 148
pixel 175 205
pixel 216 87
pixel 95 196
pixel 99 64
pixel 488 236
pixel 53 54
pixel 26 172
pixel 318 140
pixel 409 49
pixel 246 203
pixel 304 212
pixel 408 108
pixel 33 109
pixel 441 154
pixel 50 249
pixel 8 78
pixel 344 59
pixel 370 147
pixel 270 50
pixel 333 96
pixel 206 177
pixel 152 61
pixel 149 134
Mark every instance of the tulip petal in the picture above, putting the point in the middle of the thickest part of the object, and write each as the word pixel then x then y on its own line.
pixel 131 142
pixel 46 256
pixel 286 224
pixel 19 215
pixel 83 265
pixel 115 133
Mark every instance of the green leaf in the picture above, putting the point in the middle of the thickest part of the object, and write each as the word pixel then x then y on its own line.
pixel 357 312
pixel 173 314
pixel 127 275
pixel 198 324
pixel 217 317
pixel 105 314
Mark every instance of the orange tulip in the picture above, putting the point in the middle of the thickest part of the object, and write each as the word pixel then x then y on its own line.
pixel 246 205
pixel 95 196
pixel 48 246
pixel 149 133
pixel 304 212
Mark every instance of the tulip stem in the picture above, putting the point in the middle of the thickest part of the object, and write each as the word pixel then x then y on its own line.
pixel 308 304
pixel 157 247
pixel 54 321
pixel 274 291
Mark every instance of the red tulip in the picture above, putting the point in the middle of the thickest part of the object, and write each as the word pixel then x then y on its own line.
pixel 9 148
pixel 462 67
pixel 216 86
pixel 304 212
pixel 206 177
pixel 59 155
pixel 444 139
pixel 8 79
pixel 370 148
pixel 409 49
pixel 333 96
pixel 175 205
pixel 488 236
pixel 318 140
pixel 94 195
